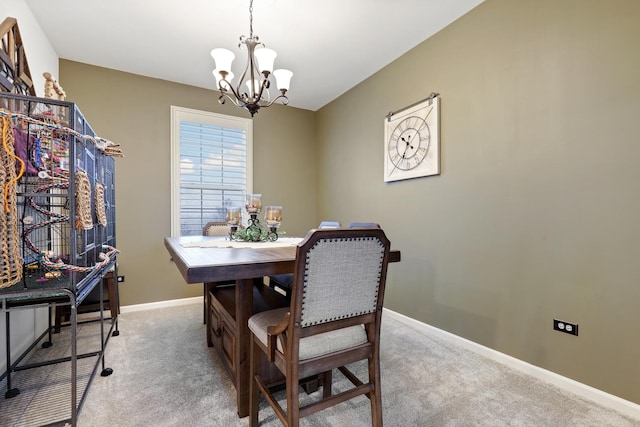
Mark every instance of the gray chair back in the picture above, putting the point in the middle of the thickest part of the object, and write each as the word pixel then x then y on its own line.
pixel 343 275
pixel 329 224
pixel 364 225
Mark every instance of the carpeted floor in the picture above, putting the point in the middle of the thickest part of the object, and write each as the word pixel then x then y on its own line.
pixel 164 375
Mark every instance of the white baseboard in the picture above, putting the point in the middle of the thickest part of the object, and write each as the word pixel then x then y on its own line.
pixel 616 403
pixel 160 304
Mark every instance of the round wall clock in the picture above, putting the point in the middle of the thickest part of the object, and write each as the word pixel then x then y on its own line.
pixel 411 141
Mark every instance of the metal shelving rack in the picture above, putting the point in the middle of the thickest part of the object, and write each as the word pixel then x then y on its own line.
pixel 66 236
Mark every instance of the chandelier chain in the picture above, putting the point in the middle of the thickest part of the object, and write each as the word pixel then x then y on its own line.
pixel 251 19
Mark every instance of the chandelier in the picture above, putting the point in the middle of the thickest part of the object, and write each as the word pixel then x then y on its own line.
pixel 252 89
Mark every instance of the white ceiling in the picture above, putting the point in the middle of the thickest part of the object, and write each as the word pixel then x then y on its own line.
pixel 330 45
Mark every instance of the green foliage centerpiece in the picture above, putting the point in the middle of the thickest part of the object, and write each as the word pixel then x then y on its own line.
pixel 254 231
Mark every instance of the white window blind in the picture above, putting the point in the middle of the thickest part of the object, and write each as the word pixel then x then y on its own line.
pixel 211 165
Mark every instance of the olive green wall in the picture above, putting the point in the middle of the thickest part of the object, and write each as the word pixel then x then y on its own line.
pixel 533 217
pixel 535 214
pixel 134 111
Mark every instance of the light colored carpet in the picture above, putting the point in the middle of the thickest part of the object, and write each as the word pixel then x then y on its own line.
pixel 164 375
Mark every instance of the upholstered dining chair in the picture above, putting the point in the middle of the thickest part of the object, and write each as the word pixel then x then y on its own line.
pixel 215 228
pixel 282 282
pixel 364 225
pixel 333 320
pixel 329 224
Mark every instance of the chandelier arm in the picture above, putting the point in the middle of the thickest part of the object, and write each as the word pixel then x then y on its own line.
pixel 224 96
pixel 223 92
pixel 285 101
pixel 264 85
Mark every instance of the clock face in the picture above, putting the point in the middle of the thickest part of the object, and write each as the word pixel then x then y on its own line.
pixel 411 145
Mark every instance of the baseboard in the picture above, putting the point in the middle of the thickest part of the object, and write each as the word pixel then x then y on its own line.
pixel 616 403
pixel 160 304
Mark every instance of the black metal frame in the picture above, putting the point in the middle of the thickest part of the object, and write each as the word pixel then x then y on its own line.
pixel 84 249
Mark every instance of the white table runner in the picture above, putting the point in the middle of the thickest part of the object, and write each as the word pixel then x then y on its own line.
pixel 225 243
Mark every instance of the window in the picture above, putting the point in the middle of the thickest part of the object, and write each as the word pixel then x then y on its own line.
pixel 211 167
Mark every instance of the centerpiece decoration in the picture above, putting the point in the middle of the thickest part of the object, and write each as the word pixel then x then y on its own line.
pixel 254 232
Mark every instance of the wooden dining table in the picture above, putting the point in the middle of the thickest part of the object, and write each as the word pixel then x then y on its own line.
pixel 211 260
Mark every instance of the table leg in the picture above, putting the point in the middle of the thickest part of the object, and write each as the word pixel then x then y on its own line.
pixel 244 307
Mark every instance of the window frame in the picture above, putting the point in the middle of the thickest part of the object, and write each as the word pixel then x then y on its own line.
pixel 179 114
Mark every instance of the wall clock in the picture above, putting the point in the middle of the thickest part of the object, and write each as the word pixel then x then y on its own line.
pixel 412 141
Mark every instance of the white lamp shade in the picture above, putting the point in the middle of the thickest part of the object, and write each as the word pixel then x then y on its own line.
pixel 223 59
pixel 283 78
pixel 218 76
pixel 265 58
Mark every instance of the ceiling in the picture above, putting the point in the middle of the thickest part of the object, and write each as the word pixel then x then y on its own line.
pixel 330 45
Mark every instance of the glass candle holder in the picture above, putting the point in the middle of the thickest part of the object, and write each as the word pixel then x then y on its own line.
pixel 234 216
pixel 273 216
pixel 254 203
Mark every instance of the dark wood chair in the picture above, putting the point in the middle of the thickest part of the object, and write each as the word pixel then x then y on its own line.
pixel 333 320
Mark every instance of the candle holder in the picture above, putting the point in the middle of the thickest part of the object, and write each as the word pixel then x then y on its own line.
pixel 254 231
pixel 273 218
pixel 234 218
pixel 254 203
pixel 253 206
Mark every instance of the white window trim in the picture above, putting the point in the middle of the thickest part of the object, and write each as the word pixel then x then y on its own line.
pixel 177 115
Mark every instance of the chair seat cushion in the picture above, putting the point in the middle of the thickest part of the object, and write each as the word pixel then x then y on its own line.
pixel 313 346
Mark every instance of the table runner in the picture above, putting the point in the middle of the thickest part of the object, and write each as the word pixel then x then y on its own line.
pixel 225 243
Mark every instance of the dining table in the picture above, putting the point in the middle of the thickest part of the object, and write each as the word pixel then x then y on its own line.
pixel 213 260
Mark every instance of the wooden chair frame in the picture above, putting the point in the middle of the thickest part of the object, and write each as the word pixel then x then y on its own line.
pixel 289 333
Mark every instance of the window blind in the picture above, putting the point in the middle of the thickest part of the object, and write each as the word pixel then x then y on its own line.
pixel 213 173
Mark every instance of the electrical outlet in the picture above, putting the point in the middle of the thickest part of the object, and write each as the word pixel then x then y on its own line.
pixel 120 279
pixel 566 327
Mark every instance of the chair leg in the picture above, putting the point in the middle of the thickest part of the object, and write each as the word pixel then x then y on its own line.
pixel 326 384
pixel 376 394
pixel 293 400
pixel 254 391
